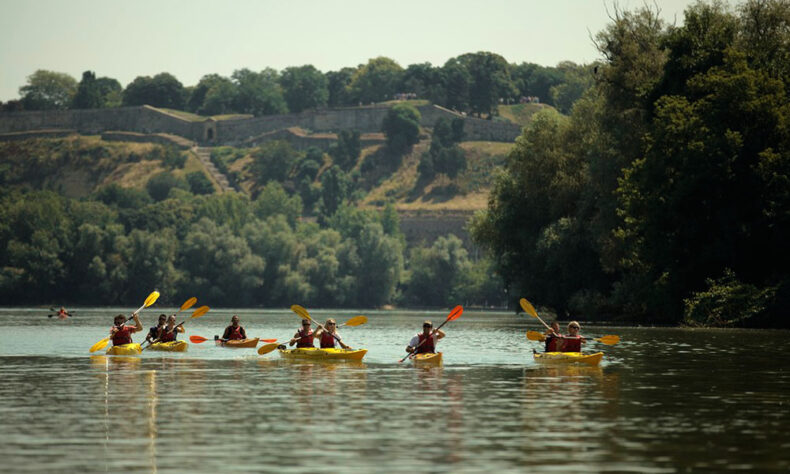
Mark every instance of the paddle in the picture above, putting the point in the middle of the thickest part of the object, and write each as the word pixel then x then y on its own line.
pixel 302 313
pixel 529 309
pixel 58 313
pixel 266 348
pixel 201 339
pixel 355 321
pixel 195 314
pixel 454 314
pixel 148 302
pixel 609 339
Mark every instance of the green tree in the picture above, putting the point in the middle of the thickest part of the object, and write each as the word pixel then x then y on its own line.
pixel 457 82
pixel 273 200
pixel 48 90
pixel 337 86
pixel 162 90
pixel 259 93
pixel 401 125
pixel 490 81
pixel 345 152
pixel 199 183
pixel 273 161
pixel 304 87
pixel 221 98
pixel 88 95
pixel 334 189
pixel 434 272
pixel 159 185
pixel 376 81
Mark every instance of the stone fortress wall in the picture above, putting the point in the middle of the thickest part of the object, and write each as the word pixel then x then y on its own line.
pixel 145 119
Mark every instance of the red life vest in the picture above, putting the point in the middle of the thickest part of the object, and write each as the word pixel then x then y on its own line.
pixel 425 345
pixel 235 333
pixel 327 340
pixel 551 343
pixel 571 344
pixel 122 335
pixel 168 336
pixel 305 338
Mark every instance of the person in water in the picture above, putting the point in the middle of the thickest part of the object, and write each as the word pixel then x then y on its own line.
pixel 304 336
pixel 234 331
pixel 425 342
pixel 61 313
pixel 153 331
pixel 553 336
pixel 328 335
pixel 170 332
pixel 572 342
pixel 121 333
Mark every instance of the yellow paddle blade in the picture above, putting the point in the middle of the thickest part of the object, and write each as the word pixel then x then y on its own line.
pixel 188 304
pixel 100 345
pixel 356 321
pixel 528 308
pixel 200 311
pixel 301 312
pixel 535 336
pixel 609 340
pixel 266 348
pixel 151 298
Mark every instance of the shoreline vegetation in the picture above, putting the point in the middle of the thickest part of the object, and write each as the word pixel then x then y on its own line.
pixel 653 190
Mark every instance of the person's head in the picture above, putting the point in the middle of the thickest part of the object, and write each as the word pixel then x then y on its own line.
pixel 162 319
pixel 119 320
pixel 427 326
pixel 330 324
pixel 555 326
pixel 573 328
pixel 305 324
pixel 171 319
pixel 234 320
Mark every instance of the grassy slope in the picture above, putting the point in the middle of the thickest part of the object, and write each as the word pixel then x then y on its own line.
pixel 77 165
pixel 467 192
pixel 521 113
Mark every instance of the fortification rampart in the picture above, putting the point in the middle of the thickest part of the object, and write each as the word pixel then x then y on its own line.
pixel 148 120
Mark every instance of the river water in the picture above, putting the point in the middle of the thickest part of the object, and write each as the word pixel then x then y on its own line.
pixel 663 400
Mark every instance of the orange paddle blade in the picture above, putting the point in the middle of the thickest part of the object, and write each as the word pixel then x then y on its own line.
pixel 609 340
pixel 197 339
pixel 268 340
pixel 188 303
pixel 455 313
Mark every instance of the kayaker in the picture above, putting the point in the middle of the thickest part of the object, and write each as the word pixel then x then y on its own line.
pixel 121 333
pixel 552 337
pixel 572 342
pixel 303 337
pixel 62 313
pixel 234 331
pixel 328 335
pixel 153 331
pixel 170 331
pixel 425 342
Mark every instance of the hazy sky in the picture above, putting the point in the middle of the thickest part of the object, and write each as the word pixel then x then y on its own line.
pixel 130 38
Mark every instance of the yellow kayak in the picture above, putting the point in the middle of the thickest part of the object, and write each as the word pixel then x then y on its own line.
pixel 427 359
pixel 314 353
pixel 237 343
pixel 171 346
pixel 568 358
pixel 124 350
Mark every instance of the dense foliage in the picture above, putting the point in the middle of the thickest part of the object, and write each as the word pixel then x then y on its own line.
pixel 666 189
pixel 474 83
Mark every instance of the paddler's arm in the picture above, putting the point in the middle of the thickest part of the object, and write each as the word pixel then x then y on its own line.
pixel 439 334
pixel 138 326
pixel 413 344
pixel 180 328
pixel 243 332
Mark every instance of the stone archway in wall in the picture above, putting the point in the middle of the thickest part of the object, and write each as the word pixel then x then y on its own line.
pixel 210 131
